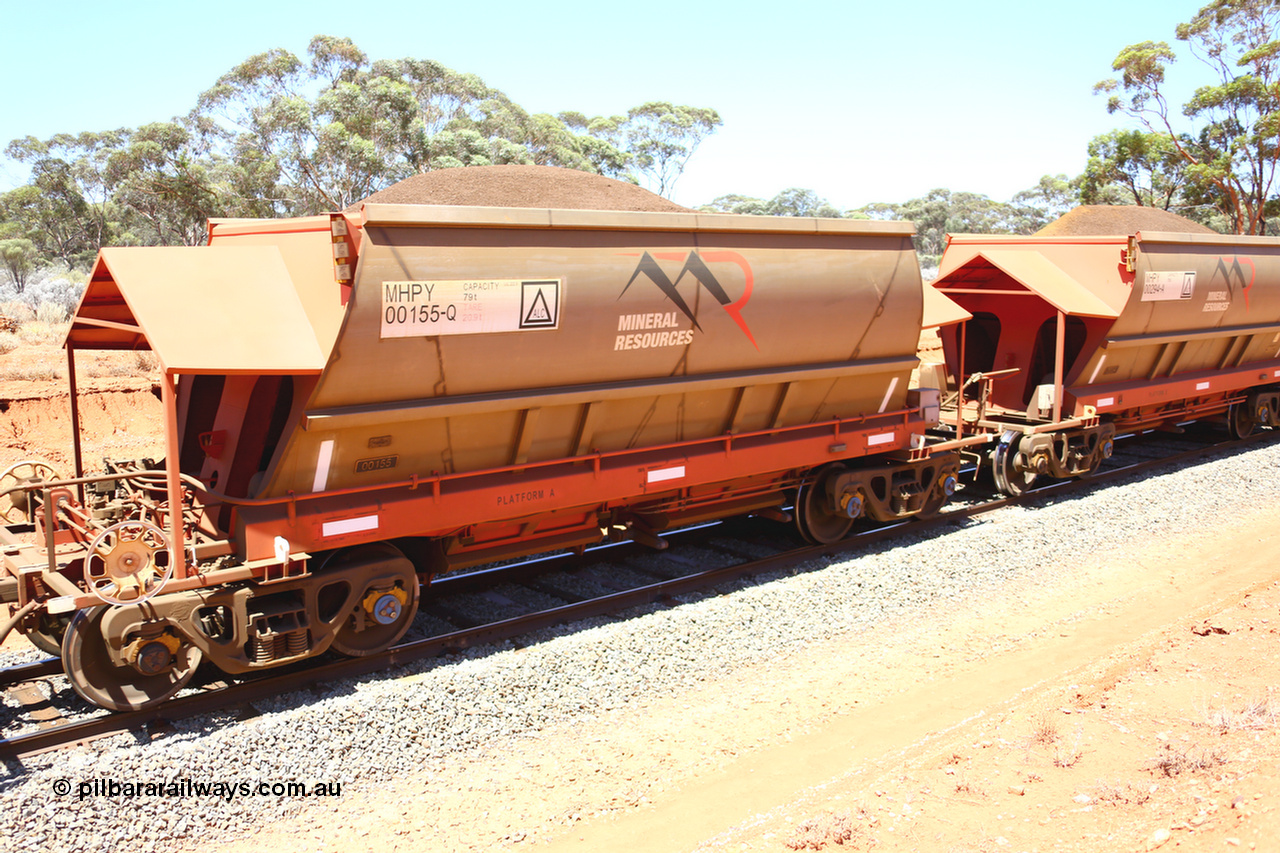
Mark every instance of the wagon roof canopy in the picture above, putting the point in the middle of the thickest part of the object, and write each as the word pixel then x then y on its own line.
pixel 201 309
pixel 939 310
pixel 1037 274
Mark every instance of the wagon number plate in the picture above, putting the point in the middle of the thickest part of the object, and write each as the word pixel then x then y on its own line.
pixel 381 463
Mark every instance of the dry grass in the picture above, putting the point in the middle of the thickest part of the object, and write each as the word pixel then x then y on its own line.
pixel 838 829
pixel 32 373
pixel 50 313
pixel 1173 761
pixel 1045 732
pixel 32 353
pixel 109 369
pixel 1044 729
pixel 145 362
pixel 1063 757
pixel 19 311
pixel 1255 714
pixel 1118 794
pixel 37 333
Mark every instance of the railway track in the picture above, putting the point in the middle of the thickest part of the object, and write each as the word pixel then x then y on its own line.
pixel 476 607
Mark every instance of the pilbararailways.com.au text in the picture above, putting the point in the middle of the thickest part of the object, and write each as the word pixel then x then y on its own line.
pixel 184 788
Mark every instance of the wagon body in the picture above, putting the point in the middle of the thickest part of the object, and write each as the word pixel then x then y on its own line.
pixel 477 340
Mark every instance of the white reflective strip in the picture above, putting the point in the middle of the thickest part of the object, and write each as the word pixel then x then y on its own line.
pixel 1202 386
pixel 662 474
pixel 61 604
pixel 322 466
pixel 887 394
pixel 1276 374
pixel 1094 375
pixel 349 525
pixel 1106 401
pixel 882 438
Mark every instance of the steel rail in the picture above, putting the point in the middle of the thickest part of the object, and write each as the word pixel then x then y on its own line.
pixel 306 675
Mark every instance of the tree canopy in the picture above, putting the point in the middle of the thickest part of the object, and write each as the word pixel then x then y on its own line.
pixel 790 202
pixel 284 135
pixel 942 211
pixel 1134 167
pixel 1229 158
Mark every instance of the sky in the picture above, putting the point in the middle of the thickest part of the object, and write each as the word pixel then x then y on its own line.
pixel 860 101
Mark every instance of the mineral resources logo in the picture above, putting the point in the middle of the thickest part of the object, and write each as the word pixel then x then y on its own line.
pixel 695 264
pixel 1233 275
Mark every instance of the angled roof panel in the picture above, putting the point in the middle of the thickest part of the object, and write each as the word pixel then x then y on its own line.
pixel 1038 274
pixel 206 309
pixel 306 245
pixel 940 310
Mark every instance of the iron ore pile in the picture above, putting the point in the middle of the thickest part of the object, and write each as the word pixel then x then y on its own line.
pixel 523 186
pixel 1095 219
pixel 406 726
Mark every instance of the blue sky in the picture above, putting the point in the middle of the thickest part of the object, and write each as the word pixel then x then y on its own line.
pixel 859 101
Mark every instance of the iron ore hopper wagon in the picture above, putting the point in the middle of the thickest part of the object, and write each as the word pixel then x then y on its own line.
pixel 356 402
pixel 1072 339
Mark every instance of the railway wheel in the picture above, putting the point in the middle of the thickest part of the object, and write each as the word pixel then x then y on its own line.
pixel 941 492
pixel 15 501
pixel 1240 421
pixel 1009 480
pixel 48 633
pixel 819 521
pixel 162 664
pixel 384 609
pixel 1104 453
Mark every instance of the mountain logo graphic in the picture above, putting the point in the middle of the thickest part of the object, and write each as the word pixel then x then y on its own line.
pixel 695 264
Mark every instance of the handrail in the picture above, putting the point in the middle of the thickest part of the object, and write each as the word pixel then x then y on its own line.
pixel 978 377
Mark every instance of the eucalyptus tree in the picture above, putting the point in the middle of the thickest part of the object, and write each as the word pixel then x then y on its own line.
pixel 1134 167
pixel 1035 207
pixel 661 137
pixel 282 135
pixel 313 128
pixel 941 211
pixel 790 202
pixel 1234 152
pixel 67 208
pixel 330 132
pixel 602 141
pixel 17 260
pixel 735 203
pixel 165 186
